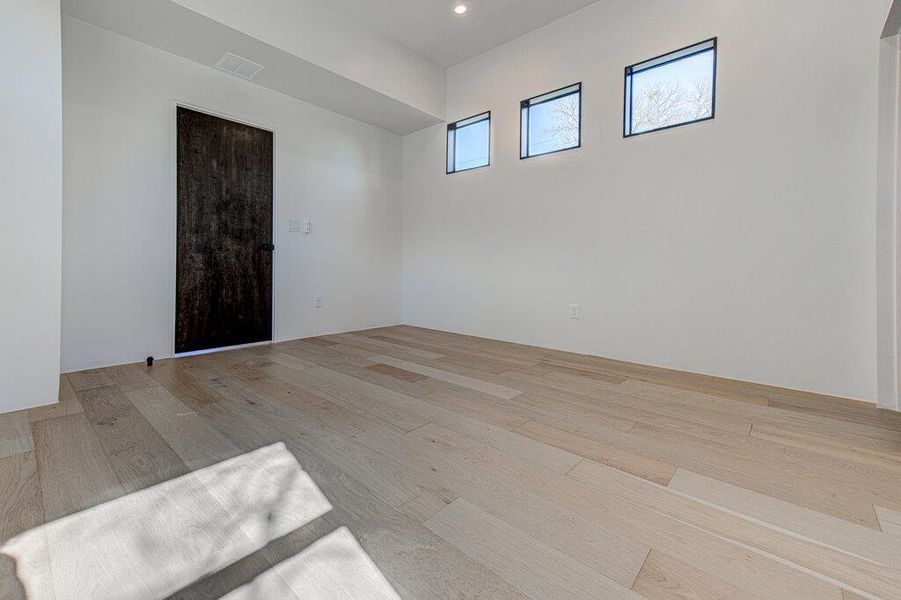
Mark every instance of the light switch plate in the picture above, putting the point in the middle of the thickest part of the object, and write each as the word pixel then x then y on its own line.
pixel 294 225
pixel 575 311
pixel 317 301
pixel 307 226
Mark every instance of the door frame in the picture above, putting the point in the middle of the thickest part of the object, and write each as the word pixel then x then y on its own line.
pixel 172 115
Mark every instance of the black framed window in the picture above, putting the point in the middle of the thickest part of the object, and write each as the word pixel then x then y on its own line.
pixel 551 122
pixel 671 90
pixel 469 143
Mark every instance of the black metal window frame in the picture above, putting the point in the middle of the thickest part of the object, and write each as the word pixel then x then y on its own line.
pixel 528 103
pixel 708 45
pixel 456 126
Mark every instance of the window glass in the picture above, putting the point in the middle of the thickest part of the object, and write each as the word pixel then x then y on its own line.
pixel 674 89
pixel 551 122
pixel 468 143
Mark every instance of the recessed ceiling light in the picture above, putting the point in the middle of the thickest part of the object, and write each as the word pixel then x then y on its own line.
pixel 460 9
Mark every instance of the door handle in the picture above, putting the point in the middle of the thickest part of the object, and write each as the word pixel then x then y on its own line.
pixel 267 247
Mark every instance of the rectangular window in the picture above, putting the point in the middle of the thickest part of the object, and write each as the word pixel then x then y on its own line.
pixel 671 90
pixel 551 122
pixel 468 143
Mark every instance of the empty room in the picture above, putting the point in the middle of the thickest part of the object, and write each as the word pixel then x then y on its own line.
pixel 450 299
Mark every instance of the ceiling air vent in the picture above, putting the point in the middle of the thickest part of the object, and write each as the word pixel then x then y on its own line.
pixel 234 64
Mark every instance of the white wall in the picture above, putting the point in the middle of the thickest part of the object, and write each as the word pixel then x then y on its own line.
pixel 31 172
pixel 742 247
pixel 119 205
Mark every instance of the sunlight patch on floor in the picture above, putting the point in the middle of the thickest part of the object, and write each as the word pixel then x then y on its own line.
pixel 335 567
pixel 151 543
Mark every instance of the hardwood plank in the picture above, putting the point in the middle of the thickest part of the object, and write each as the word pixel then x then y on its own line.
pixel 738 391
pixel 379 346
pixel 772 493
pixel 739 466
pixel 91 378
pixel 858 448
pixel 443 342
pixel 75 472
pixel 21 509
pixel 608 454
pixel 193 440
pixel 479 406
pixel 623 410
pixel 747 463
pixel 690 400
pixel 176 376
pixel 742 458
pixel 843 570
pixel 318 341
pixel 396 372
pixel 136 451
pixel 889 521
pixel 321 382
pixel 579 518
pixel 20 504
pixel 571 417
pixel 416 561
pixel 428 453
pixel 665 578
pixel 67 404
pixel 335 416
pixel 531 566
pixel 574 383
pixel 154 542
pixel 552 458
pixel 463 381
pixel 133 376
pixel 778 514
pixel 128 376
pixel 398 339
pixel 424 506
pixel 418 389
pixel 851 411
pixel 327 356
pixel 716 415
pixel 287 360
pixel 335 567
pixel 563 372
pixel 15 433
pixel 381 477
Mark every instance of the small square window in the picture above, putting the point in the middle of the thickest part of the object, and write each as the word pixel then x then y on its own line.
pixel 671 90
pixel 551 122
pixel 469 143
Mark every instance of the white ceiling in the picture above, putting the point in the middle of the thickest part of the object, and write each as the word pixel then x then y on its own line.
pixel 431 28
pixel 170 26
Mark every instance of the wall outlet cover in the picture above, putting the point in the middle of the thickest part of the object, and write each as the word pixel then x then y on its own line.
pixel 575 311
pixel 294 225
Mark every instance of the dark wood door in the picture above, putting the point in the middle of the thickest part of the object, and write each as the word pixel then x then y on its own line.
pixel 224 248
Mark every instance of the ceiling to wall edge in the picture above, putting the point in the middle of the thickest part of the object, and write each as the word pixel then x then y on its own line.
pixel 893 21
pixel 173 28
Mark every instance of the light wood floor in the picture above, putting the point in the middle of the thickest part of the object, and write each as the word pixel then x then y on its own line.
pixel 458 467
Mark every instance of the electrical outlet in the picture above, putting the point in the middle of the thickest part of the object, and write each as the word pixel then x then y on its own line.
pixel 317 301
pixel 294 225
pixel 575 311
